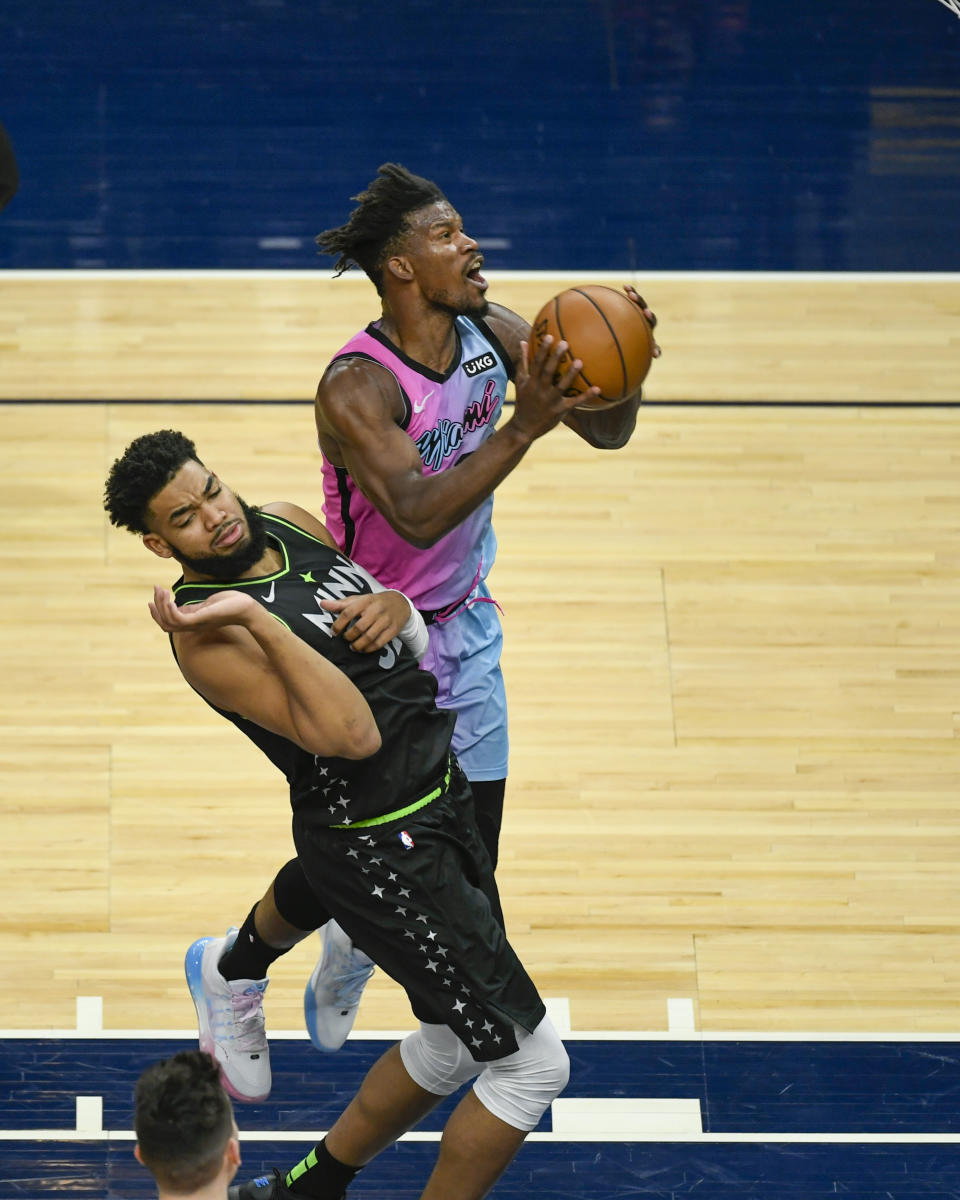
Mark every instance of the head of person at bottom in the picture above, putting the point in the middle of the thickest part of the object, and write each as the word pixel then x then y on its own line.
pixel 186 1134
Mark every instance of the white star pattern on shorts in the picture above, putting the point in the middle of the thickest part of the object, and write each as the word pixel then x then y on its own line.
pixel 467 1015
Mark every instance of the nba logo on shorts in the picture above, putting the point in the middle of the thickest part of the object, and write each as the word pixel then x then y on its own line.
pixel 406 840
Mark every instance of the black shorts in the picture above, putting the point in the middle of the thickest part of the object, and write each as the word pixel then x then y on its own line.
pixel 417 893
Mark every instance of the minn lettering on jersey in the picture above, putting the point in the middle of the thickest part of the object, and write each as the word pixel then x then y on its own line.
pixel 342 581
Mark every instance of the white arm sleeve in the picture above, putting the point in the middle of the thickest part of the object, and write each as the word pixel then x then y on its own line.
pixel 414 634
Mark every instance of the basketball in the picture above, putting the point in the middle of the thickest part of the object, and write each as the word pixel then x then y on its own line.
pixel 607 332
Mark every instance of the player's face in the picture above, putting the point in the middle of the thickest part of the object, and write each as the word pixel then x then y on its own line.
pixel 197 520
pixel 447 262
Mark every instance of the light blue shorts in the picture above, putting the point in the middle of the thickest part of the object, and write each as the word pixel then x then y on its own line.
pixel 464 654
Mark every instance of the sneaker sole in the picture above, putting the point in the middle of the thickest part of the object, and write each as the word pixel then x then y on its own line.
pixel 193 969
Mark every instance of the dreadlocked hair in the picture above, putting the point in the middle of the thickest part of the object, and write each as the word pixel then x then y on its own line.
pixel 145 467
pixel 378 219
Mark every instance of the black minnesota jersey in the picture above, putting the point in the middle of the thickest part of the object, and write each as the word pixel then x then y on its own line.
pixel 415 734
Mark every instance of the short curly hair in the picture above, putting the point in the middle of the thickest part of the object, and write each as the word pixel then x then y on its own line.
pixel 183 1120
pixel 145 467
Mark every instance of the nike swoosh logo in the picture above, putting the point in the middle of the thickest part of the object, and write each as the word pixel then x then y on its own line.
pixel 268 598
pixel 419 407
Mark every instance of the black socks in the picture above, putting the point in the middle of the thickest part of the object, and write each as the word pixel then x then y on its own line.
pixel 249 956
pixel 320 1176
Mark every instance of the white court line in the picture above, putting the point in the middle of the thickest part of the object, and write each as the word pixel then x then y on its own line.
pixel 825 277
pixel 558 1010
pixel 90 1015
pixel 575 1035
pixel 580 1117
pixel 575 1120
pixel 315 1135
pixel 90 1025
pixel 680 1015
pixel 90 1114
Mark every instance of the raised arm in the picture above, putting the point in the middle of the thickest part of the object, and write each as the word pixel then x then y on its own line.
pixel 242 660
pixel 358 406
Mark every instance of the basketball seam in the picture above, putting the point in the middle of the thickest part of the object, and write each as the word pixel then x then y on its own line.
pixel 559 324
pixel 616 341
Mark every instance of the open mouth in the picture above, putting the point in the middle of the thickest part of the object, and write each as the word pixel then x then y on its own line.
pixel 474 275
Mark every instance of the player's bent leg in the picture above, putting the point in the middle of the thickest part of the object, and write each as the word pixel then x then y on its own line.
pixel 230 1016
pixel 437 1060
pixel 475 1150
pixel 389 1103
pixel 490 1123
pixel 408 1081
pixel 292 904
pixel 521 1087
pixel 332 995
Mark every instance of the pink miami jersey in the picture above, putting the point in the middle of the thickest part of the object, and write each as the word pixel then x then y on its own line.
pixel 448 417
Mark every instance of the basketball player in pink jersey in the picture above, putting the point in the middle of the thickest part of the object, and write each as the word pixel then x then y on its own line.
pixel 415 394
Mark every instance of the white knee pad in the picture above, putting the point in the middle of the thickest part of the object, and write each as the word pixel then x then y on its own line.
pixel 437 1060
pixel 520 1088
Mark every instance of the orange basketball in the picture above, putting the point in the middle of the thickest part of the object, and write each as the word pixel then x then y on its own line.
pixel 607 332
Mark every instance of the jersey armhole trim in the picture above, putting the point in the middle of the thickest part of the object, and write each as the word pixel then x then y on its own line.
pixel 404 398
pixel 497 346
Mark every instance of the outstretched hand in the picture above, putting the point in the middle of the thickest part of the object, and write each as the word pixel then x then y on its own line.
pixel 222 608
pixel 542 387
pixel 370 620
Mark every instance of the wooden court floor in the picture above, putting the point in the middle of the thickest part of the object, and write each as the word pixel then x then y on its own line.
pixel 732 657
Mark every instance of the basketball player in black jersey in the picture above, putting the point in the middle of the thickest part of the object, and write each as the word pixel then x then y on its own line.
pixel 426 269
pixel 383 819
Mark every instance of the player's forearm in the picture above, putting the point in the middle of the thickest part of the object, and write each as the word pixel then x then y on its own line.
pixel 327 712
pixel 435 504
pixel 413 633
pixel 606 428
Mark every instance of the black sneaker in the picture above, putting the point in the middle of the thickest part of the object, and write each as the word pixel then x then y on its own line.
pixel 264 1187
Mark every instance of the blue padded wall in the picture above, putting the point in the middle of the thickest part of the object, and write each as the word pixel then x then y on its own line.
pixel 587 134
